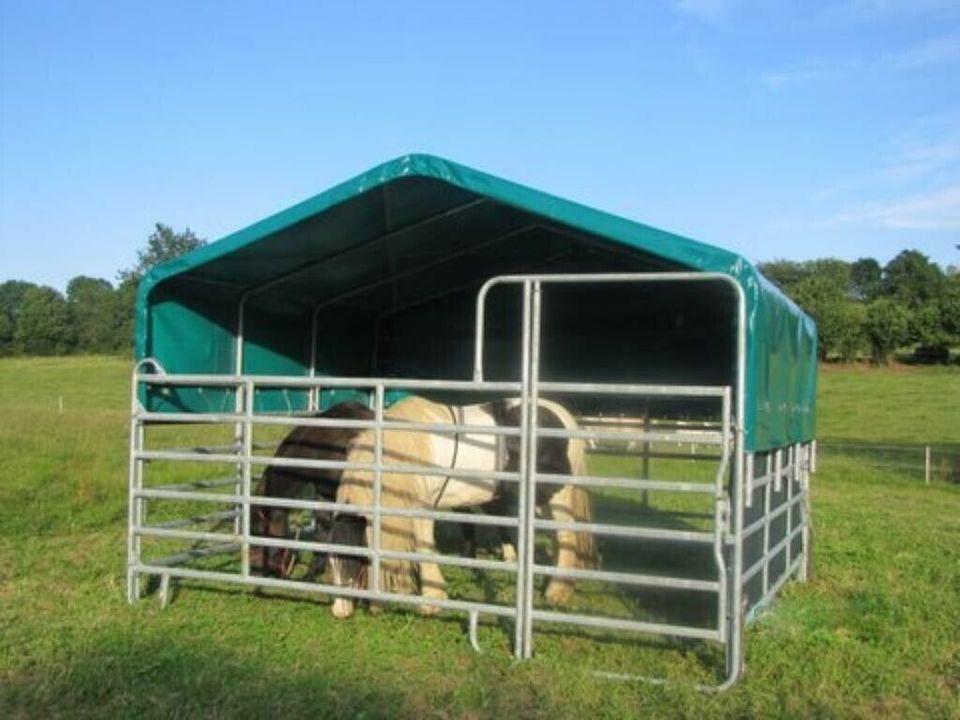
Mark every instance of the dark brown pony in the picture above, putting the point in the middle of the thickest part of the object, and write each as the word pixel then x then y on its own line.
pixel 313 443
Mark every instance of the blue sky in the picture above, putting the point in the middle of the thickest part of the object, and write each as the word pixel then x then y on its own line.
pixel 777 129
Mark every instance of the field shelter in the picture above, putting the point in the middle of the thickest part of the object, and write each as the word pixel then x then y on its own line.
pixel 692 377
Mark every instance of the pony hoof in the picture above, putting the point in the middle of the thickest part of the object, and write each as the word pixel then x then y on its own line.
pixel 430 610
pixel 559 593
pixel 375 609
pixel 341 608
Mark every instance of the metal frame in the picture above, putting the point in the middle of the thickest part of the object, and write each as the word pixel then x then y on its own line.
pixel 732 488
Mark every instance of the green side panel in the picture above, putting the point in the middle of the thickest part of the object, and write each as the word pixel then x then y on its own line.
pixel 188 335
pixel 420 212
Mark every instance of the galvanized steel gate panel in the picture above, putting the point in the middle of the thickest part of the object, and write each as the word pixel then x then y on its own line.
pixel 760 503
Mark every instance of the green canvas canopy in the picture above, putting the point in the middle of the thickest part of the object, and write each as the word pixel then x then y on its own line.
pixel 386 267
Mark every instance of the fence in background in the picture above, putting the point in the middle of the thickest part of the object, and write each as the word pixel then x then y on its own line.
pixel 925 463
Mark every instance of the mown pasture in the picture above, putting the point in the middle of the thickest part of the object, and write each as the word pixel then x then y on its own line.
pixel 874 633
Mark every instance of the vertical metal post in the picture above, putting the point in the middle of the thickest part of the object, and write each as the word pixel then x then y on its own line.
pixel 748 481
pixel 377 486
pixel 737 620
pixel 248 396
pixel 238 406
pixel 767 489
pixel 134 483
pixel 804 572
pixel 531 483
pixel 792 456
pixel 926 464
pixel 645 469
pixel 520 626
pixel 313 397
pixel 722 529
pixel 777 470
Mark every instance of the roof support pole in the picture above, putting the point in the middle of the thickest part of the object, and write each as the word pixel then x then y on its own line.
pixel 238 362
pixel 314 319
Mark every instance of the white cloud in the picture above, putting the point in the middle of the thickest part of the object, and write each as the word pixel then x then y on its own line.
pixel 702 9
pixel 938 210
pixel 778 79
pixel 939 51
pixel 924 159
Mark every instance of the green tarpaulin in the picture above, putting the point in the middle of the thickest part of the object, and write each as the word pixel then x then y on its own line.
pixel 390 262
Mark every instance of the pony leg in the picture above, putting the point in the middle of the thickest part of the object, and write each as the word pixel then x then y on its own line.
pixel 432 584
pixel 560 590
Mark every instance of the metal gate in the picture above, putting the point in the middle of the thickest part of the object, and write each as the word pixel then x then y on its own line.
pixel 756 531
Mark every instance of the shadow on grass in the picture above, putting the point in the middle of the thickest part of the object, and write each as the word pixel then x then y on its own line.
pixel 127 674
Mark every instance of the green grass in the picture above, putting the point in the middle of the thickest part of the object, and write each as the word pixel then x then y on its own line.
pixel 899 405
pixel 874 633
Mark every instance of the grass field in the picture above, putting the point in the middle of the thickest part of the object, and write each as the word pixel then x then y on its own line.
pixel 874 633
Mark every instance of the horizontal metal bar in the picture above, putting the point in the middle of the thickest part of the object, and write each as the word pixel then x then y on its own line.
pixel 185 456
pixel 628 578
pixel 195 553
pixel 453 560
pixel 626 531
pixel 785 472
pixel 255 500
pixel 198 519
pixel 190 418
pixel 399 469
pixel 320 588
pixel 601 481
pixel 612 420
pixel 339 423
pixel 455 517
pixel 716 391
pixel 306 382
pixel 215 482
pixel 465 518
pixel 753 570
pixel 654 454
pixel 288 543
pixel 627 435
pixel 168 492
pixel 390 425
pixel 631 625
pixel 294 382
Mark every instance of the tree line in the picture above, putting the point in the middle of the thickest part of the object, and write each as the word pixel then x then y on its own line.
pixel 861 308
pixel 865 309
pixel 94 316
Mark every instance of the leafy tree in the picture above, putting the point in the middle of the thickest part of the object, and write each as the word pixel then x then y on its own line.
pixel 926 326
pixel 950 307
pixel 92 304
pixel 888 326
pixel 823 296
pixel 785 274
pixel 43 327
pixel 163 244
pixel 123 322
pixel 852 338
pixel 865 279
pixel 913 279
pixel 11 300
